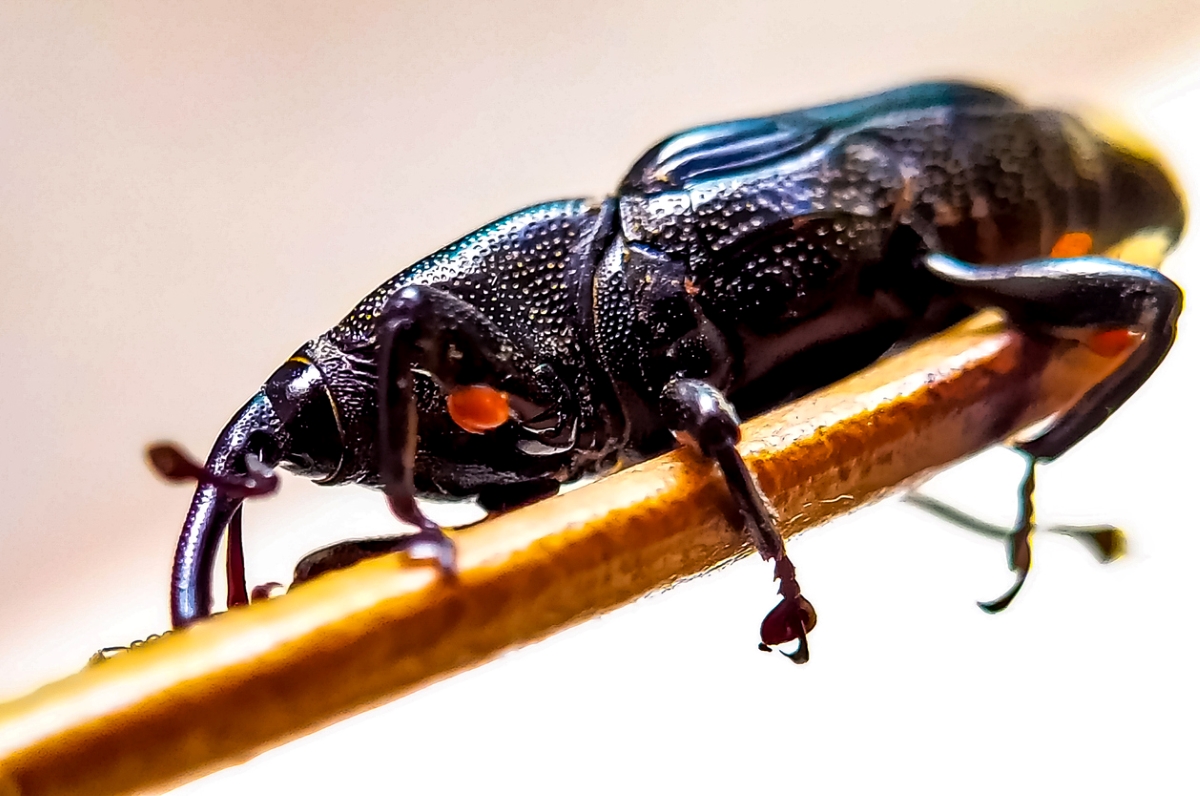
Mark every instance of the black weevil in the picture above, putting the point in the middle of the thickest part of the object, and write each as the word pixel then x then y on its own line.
pixel 737 266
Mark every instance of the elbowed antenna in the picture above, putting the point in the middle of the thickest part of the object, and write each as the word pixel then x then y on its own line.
pixel 289 421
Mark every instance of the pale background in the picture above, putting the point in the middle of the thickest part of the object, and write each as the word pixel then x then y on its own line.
pixel 189 191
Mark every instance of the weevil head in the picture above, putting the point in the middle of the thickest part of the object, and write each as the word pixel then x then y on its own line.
pixel 307 437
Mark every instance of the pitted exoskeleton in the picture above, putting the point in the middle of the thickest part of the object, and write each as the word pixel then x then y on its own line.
pixel 737 266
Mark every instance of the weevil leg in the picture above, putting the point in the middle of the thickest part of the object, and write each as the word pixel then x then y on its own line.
pixel 701 416
pixel 430 330
pixel 342 555
pixel 1020 552
pixel 1106 542
pixel 1113 303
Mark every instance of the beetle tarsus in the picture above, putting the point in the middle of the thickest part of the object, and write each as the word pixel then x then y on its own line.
pixel 433 546
pixel 1003 601
pixel 792 620
pixel 1020 551
pixel 430 542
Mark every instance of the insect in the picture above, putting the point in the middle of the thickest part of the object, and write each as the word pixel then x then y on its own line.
pixel 736 266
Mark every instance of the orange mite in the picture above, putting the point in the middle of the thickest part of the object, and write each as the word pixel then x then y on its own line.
pixel 1072 244
pixel 1111 342
pixel 478 408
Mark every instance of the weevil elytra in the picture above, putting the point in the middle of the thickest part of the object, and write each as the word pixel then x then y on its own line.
pixel 737 265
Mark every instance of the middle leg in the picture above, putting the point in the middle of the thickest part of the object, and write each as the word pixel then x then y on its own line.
pixel 701 416
pixel 427 329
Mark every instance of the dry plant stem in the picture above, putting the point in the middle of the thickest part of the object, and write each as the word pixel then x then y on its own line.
pixel 245 681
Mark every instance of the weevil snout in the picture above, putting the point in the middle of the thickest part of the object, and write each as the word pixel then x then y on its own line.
pixel 292 422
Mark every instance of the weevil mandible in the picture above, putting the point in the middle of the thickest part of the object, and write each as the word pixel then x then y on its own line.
pixel 737 265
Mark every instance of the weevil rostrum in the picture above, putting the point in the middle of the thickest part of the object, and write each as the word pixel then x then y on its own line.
pixel 737 265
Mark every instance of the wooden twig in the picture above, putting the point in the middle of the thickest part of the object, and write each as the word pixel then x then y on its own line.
pixel 242 682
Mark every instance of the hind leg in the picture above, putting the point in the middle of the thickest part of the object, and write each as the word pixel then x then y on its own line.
pixel 1109 306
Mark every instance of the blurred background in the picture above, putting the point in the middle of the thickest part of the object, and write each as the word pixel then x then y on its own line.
pixel 189 191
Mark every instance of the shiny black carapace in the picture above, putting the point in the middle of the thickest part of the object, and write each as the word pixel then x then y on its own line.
pixel 737 265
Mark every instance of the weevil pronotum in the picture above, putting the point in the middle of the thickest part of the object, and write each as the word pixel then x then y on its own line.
pixel 737 265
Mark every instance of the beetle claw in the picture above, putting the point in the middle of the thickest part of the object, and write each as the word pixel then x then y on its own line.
pixel 430 545
pixel 1000 603
pixel 792 620
pixel 1020 554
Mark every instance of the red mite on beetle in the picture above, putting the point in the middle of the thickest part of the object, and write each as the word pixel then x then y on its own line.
pixel 737 266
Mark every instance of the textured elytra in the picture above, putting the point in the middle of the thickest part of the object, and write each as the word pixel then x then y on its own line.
pixel 515 269
pixel 758 243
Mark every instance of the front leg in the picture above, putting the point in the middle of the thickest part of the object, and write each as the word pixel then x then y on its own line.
pixel 702 417
pixel 427 329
